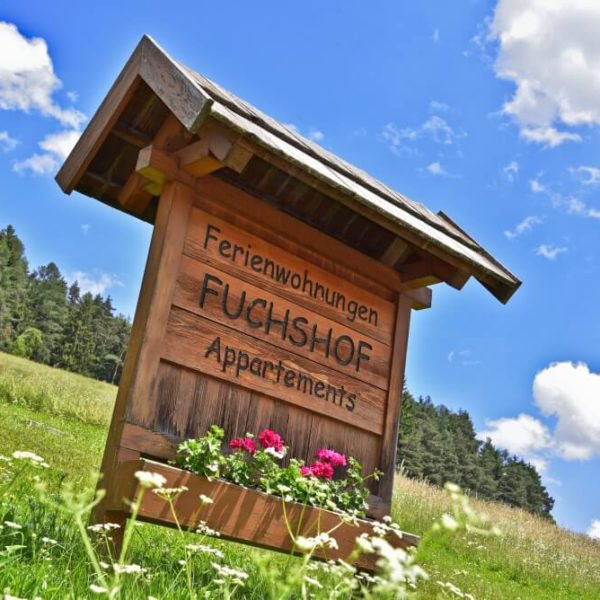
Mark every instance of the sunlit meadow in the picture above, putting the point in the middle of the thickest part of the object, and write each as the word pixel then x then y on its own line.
pixel 48 551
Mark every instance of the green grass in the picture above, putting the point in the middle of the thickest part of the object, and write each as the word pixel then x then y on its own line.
pixel 63 417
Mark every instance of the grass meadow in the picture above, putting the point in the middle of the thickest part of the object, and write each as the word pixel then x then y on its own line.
pixel 64 418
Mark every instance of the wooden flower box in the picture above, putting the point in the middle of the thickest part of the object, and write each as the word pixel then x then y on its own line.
pixel 247 515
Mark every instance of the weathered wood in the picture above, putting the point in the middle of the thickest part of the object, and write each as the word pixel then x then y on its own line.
pixel 289 377
pixel 253 516
pixel 377 318
pixel 394 405
pixel 373 369
pixel 177 201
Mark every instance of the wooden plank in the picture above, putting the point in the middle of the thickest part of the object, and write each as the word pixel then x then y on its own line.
pixel 190 403
pixel 199 344
pixel 394 404
pixel 176 203
pixel 213 240
pixel 210 293
pixel 136 343
pixel 251 516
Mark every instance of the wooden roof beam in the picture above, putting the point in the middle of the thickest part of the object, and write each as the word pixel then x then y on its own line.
pixel 397 251
pixel 431 270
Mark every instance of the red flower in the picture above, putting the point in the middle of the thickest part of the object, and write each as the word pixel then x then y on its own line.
pixel 331 457
pixel 244 444
pixel 318 469
pixel 270 439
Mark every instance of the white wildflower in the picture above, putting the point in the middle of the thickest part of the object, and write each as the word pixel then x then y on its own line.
pixel 363 543
pixel 206 549
pixel 205 499
pixel 98 589
pixel 128 569
pixel 449 522
pixel 169 494
pixel 314 582
pixel 452 488
pixel 225 571
pixel 323 540
pixel 103 527
pixel 148 479
pixel 204 529
pixel 34 459
pixel 13 525
pixel 49 541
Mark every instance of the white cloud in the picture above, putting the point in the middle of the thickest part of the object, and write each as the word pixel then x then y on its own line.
pixel 315 135
pixel 536 186
pixel 85 228
pixel 435 128
pixel 550 49
pixel 511 170
pixel 594 530
pixel 550 252
pixel 60 144
pixel 436 106
pixel 523 435
pixel 98 285
pixel 464 357
pixel 593 213
pixel 589 175
pixel 7 143
pixel 549 136
pixel 435 168
pixel 436 35
pixel 27 78
pixel 571 393
pixel 527 224
pixel 38 164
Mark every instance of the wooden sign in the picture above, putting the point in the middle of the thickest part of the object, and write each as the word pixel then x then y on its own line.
pixel 240 325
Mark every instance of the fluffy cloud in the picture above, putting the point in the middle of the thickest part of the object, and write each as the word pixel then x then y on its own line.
pixel 7 143
pixel 435 128
pixel 571 393
pixel 588 175
pixel 60 144
pixel 511 170
pixel 435 168
pixel 27 78
pixel 98 285
pixel 550 252
pixel 536 186
pixel 527 224
pixel 550 49
pixel 38 164
pixel 523 435
pixel 594 530
pixel 314 134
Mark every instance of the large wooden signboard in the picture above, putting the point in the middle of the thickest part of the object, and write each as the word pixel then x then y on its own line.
pixel 241 324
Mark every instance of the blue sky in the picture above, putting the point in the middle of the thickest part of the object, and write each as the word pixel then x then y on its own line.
pixel 488 110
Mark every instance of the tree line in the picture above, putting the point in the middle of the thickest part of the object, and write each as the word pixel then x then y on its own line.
pixel 47 320
pixel 438 445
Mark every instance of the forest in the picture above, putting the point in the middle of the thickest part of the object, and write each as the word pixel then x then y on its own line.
pixel 45 319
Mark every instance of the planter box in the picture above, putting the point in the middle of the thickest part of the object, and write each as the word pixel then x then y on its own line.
pixel 246 515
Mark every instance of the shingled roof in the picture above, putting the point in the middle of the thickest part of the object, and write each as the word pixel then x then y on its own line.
pixel 152 85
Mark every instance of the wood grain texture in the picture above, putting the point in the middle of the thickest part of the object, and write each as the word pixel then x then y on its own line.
pixel 177 202
pixel 394 405
pixel 188 338
pixel 257 518
pixel 202 225
pixel 373 369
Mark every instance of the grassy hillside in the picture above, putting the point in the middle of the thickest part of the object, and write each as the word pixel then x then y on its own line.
pixel 63 417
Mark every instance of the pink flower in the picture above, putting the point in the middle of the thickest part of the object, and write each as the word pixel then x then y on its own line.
pixel 331 457
pixel 270 439
pixel 244 444
pixel 318 469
